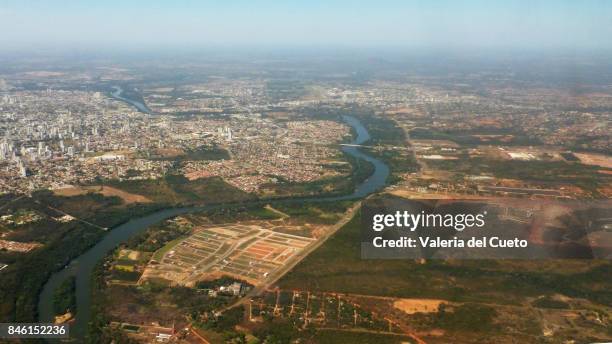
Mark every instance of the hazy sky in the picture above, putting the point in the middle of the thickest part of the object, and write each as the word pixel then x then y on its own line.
pixel 479 24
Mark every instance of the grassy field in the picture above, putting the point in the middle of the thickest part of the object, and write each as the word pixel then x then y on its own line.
pixel 197 154
pixel 235 214
pixel 471 137
pixel 312 212
pixel 552 172
pixel 159 254
pixel 179 190
pixel 336 266
pixel 107 191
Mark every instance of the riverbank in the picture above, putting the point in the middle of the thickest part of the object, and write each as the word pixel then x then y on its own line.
pixel 84 265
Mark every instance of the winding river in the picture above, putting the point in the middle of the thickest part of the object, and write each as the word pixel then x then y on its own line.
pixel 84 265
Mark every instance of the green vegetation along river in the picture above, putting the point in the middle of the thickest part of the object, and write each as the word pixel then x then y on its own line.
pixel 83 266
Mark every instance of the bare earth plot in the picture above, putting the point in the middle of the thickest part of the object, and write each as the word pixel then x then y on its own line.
pixel 595 159
pixel 246 251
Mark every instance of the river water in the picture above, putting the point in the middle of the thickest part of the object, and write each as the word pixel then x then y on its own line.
pixel 84 265
pixel 117 93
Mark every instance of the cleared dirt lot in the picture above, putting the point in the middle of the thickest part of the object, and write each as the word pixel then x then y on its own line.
pixel 412 306
pixel 595 159
pixel 250 252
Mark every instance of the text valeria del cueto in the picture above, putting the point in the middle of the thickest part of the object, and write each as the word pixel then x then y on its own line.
pixel 396 228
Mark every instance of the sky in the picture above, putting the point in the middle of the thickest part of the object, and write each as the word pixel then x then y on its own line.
pixel 533 24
